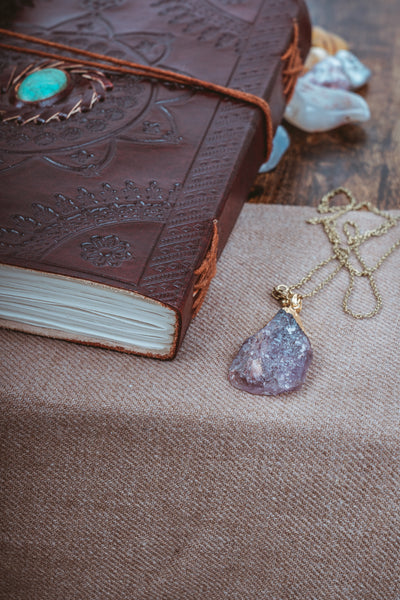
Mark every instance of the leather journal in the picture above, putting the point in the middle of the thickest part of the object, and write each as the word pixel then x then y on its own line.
pixel 119 191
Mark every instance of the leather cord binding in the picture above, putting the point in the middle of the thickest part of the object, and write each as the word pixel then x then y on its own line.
pixel 206 272
pixel 294 64
pixel 119 65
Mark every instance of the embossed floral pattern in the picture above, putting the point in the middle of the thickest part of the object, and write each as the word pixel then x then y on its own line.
pixel 232 2
pixel 106 251
pixel 66 216
pixel 99 5
pixel 205 22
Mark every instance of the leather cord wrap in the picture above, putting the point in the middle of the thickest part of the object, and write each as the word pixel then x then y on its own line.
pixel 294 65
pixel 206 272
pixel 118 65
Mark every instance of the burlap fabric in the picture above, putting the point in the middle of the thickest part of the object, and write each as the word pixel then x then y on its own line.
pixel 127 478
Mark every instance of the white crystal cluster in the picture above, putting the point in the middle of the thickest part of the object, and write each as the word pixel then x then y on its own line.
pixel 323 99
pixel 324 96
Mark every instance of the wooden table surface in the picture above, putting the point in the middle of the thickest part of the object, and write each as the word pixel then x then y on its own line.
pixel 365 157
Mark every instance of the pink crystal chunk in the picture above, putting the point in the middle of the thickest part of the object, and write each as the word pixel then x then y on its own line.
pixel 329 73
pixel 273 360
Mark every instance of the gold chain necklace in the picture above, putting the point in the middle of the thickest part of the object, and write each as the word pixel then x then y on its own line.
pixel 276 359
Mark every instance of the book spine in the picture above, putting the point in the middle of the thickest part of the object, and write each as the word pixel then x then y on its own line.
pixel 252 158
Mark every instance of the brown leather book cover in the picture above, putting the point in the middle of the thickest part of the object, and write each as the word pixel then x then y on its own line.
pixel 126 189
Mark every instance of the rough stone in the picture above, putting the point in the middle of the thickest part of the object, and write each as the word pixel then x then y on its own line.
pixel 357 73
pixel 280 145
pixel 328 40
pixel 317 108
pixel 329 73
pixel 314 57
pixel 342 71
pixel 274 360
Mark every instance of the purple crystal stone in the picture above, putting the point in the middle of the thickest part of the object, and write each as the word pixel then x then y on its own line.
pixel 273 360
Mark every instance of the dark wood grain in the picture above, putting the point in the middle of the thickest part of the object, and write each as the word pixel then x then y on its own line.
pixel 365 158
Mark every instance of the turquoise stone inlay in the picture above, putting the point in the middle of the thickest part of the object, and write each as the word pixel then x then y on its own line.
pixel 42 85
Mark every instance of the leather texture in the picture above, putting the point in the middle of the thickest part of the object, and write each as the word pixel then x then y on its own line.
pixel 124 194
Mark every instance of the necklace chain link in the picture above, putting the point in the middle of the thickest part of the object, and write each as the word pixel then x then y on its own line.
pixel 343 253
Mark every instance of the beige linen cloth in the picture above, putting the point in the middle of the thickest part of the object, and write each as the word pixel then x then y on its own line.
pixel 129 478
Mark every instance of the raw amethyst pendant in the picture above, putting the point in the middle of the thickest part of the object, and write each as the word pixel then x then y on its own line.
pixel 275 359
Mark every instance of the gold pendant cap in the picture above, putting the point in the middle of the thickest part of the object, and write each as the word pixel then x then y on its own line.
pixel 287 298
